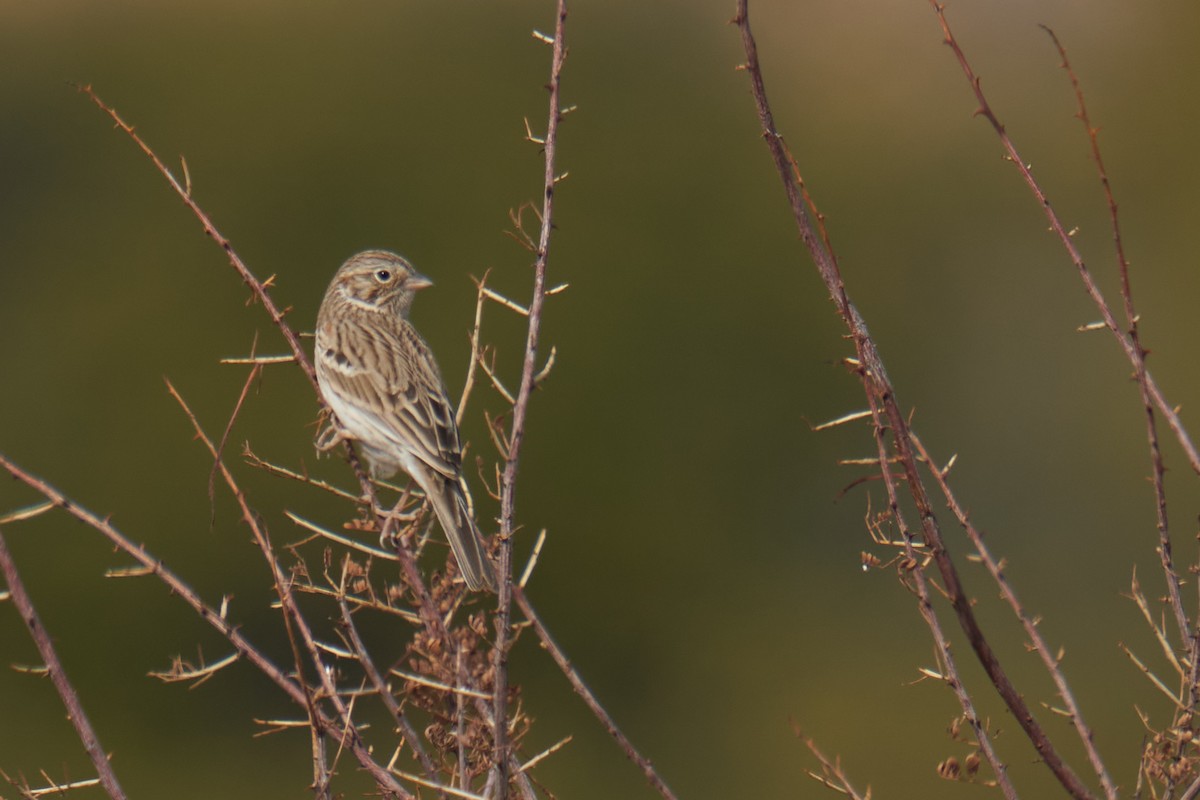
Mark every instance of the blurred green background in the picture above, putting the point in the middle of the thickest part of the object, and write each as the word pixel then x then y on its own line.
pixel 702 569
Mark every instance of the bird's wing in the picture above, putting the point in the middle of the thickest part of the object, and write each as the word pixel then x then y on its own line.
pixel 389 377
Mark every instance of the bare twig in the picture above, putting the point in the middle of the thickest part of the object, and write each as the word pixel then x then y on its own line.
pixel 297 624
pixel 154 566
pixel 1130 347
pixel 322 777
pixel 253 460
pixel 581 688
pixel 256 286
pixel 508 486
pixel 1049 659
pixel 363 656
pixel 879 389
pixel 1131 320
pixel 831 770
pixel 911 567
pixel 66 692
pixel 255 371
pixel 469 383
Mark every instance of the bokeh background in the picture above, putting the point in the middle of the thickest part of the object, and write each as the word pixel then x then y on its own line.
pixel 703 566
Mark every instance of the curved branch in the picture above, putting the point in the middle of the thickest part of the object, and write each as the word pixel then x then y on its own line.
pixel 879 389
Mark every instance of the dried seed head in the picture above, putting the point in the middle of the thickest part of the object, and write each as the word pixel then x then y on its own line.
pixel 949 769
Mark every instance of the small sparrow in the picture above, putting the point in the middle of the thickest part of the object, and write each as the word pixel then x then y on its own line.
pixel 380 379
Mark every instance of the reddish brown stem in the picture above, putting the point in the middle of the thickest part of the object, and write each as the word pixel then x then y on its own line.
pixel 1158 469
pixel 581 688
pixel 58 675
pixel 879 389
pixel 508 487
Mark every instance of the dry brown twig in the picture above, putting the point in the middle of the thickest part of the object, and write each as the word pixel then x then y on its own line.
pixel 106 776
pixel 832 774
pixel 307 650
pixel 1132 349
pixel 155 567
pixel 886 412
pixel 908 448
pixel 516 435
pixel 1153 401
pixel 882 398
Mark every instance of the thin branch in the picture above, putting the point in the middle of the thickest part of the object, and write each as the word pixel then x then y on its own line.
pixel 832 774
pixel 473 364
pixel 549 751
pixel 1049 660
pixel 913 566
pixel 879 388
pixel 581 688
pixel 1131 320
pixel 254 372
pixel 258 287
pixel 296 623
pixel 253 460
pixel 1131 349
pixel 508 486
pixel 322 777
pixel 173 582
pixel 363 656
pixel 70 698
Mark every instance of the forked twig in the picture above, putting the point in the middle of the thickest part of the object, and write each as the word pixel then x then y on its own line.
pixel 1038 643
pixel 1158 469
pixel 1131 348
pixel 181 589
pixel 295 622
pixel 879 389
pixel 831 770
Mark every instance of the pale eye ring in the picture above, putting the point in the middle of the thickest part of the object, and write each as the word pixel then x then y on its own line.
pixel 383 275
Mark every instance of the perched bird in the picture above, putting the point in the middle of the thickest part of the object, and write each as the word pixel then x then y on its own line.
pixel 381 381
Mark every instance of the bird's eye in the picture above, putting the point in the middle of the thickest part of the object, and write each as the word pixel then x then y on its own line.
pixel 383 275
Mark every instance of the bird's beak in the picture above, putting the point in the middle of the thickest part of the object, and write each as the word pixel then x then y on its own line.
pixel 418 281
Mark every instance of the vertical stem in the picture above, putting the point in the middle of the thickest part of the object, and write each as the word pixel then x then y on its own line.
pixel 508 490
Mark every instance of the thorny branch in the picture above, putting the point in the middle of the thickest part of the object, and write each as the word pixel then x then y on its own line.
pixel 508 486
pixel 1038 643
pixel 1189 634
pixel 1132 350
pixel 581 688
pixel 259 288
pixel 297 624
pixel 912 567
pixel 434 624
pixel 1129 341
pixel 1158 469
pixel 66 691
pixel 880 391
pixel 178 587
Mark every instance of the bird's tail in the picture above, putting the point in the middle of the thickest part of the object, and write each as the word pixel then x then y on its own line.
pixel 453 512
